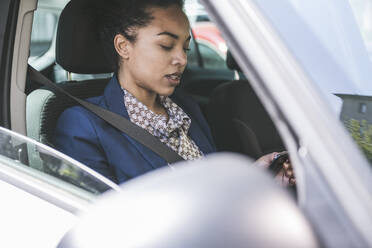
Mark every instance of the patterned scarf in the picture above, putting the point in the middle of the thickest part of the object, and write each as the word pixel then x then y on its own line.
pixel 172 132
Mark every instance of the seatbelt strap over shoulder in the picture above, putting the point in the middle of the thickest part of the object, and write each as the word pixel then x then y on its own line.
pixel 124 125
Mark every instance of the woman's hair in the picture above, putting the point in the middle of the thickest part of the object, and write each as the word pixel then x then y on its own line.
pixel 124 17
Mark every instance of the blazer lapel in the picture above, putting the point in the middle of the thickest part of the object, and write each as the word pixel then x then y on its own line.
pixel 195 131
pixel 114 97
pixel 200 138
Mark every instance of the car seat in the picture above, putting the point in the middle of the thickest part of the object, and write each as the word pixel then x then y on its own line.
pixel 78 50
pixel 239 121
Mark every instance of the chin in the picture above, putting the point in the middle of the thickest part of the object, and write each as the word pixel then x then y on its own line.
pixel 166 92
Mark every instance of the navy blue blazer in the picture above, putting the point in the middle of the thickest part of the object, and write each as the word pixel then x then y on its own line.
pixel 92 141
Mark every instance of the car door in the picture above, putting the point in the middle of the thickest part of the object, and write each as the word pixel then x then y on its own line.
pixel 42 191
pixel 287 63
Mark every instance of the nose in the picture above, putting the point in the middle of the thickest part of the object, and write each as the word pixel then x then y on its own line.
pixel 180 58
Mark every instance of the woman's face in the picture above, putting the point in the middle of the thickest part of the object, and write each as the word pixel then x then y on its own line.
pixel 157 59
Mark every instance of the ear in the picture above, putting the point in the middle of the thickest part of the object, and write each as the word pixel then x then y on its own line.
pixel 122 46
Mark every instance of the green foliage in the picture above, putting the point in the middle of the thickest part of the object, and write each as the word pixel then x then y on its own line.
pixel 361 132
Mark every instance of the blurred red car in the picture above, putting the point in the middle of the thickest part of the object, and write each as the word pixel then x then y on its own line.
pixel 208 34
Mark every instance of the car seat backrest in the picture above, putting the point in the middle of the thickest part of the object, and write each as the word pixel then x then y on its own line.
pixel 48 105
pixel 78 50
pixel 78 46
pixel 231 63
pixel 239 121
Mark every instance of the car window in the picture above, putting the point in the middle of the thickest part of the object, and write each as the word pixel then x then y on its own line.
pixel 339 34
pixel 49 165
pixel 192 55
pixel 212 59
pixel 207 41
pixel 43 26
pixel 211 46
pixel 43 39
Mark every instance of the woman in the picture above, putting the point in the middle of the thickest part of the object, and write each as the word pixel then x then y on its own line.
pixel 149 40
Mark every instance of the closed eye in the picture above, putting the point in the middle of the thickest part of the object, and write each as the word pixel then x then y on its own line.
pixel 167 48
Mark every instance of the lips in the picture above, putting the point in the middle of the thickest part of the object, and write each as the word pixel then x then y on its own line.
pixel 174 78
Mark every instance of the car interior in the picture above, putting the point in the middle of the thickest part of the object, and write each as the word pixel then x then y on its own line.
pixel 237 118
pixel 76 63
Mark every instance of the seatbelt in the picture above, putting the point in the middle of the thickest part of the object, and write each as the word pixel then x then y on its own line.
pixel 124 125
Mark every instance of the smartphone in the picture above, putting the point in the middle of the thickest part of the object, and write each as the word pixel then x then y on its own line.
pixel 277 164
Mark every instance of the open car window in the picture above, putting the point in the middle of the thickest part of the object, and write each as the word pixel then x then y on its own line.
pixel 50 166
pixel 207 43
pixel 338 33
pixel 43 43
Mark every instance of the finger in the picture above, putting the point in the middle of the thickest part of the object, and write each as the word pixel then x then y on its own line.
pixel 288 163
pixel 286 166
pixel 289 173
pixel 281 179
pixel 292 181
pixel 285 181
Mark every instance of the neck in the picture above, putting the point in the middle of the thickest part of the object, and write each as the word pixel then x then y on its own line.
pixel 147 97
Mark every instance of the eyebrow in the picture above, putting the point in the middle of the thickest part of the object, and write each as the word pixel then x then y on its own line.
pixel 174 36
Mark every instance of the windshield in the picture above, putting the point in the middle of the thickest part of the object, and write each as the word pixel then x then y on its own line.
pixel 333 42
pixel 50 166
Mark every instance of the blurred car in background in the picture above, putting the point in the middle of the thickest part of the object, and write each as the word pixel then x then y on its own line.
pixel 207 33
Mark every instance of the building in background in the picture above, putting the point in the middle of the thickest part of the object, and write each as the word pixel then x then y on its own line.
pixel 357 107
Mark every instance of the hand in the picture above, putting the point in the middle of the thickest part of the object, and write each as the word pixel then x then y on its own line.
pixel 285 176
pixel 266 160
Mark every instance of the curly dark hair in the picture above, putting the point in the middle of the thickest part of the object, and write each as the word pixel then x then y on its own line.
pixel 123 17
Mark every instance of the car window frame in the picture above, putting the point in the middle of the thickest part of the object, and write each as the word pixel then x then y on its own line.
pixel 199 56
pixel 43 190
pixel 8 25
pixel 197 50
pixel 41 184
pixel 218 54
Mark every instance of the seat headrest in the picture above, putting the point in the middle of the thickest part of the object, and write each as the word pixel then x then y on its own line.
pixel 78 46
pixel 231 63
